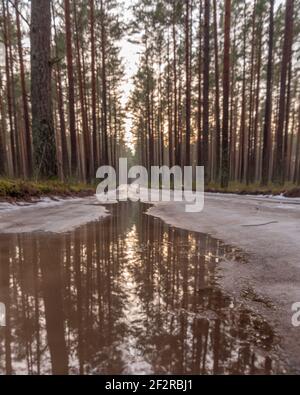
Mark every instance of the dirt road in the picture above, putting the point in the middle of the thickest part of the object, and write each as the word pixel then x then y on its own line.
pixel 269 230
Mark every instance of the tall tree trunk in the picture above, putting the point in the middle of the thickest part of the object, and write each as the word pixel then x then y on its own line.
pixel 105 159
pixel 176 133
pixel 251 96
pixel 28 154
pixel 85 131
pixel 61 111
pixel 267 138
pixel 93 71
pixel 242 147
pixel 199 98
pixel 226 90
pixel 63 137
pixel 232 130
pixel 8 91
pixel 41 99
pixel 187 87
pixel 71 90
pixel 206 56
pixel 287 122
pixel 286 58
pixel 17 132
pixel 255 152
pixel 3 153
pixel 169 101
pixel 296 177
pixel 217 100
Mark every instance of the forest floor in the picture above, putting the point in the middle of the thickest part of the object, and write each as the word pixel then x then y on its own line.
pixel 14 190
pixel 287 190
pixel 31 191
pixel 268 230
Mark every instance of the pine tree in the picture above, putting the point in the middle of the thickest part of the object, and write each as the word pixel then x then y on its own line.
pixel 41 92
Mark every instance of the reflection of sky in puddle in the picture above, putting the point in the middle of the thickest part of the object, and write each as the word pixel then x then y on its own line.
pixel 126 295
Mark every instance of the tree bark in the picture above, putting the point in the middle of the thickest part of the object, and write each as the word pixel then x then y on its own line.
pixel 226 83
pixel 85 131
pixel 71 90
pixel 217 100
pixel 93 71
pixel 187 87
pixel 267 138
pixel 105 158
pixel 206 56
pixel 28 153
pixel 41 99
pixel 286 58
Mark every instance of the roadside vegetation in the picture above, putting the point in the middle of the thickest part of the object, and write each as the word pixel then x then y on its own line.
pixel 287 190
pixel 13 190
pixel 27 190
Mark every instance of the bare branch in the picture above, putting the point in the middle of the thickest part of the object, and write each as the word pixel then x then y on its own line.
pixel 17 10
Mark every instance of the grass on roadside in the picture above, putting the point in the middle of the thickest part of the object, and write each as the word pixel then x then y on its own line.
pixel 288 189
pixel 17 189
pixel 11 189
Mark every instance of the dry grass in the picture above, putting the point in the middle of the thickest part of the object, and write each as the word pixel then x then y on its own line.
pixel 27 190
pixel 288 190
pixel 13 189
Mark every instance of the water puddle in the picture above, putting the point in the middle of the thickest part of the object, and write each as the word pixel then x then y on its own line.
pixel 128 294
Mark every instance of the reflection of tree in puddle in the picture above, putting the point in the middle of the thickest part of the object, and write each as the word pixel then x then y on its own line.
pixel 126 295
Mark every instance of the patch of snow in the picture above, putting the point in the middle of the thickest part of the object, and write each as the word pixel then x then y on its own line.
pixel 59 216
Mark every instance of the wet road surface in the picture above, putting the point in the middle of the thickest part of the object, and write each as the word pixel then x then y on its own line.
pixel 126 295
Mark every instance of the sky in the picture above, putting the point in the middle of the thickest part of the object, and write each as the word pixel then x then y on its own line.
pixel 130 55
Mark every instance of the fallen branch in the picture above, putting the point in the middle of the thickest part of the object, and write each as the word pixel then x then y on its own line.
pixel 267 223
